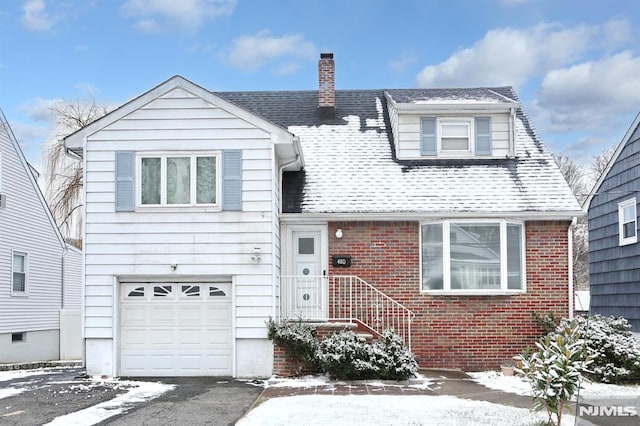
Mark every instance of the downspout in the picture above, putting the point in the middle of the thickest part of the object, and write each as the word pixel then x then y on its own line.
pixel 512 136
pixel 570 255
pixel 296 141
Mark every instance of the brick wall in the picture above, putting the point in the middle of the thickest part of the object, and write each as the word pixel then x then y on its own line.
pixel 467 332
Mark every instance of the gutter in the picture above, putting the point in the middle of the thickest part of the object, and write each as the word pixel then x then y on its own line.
pixel 569 215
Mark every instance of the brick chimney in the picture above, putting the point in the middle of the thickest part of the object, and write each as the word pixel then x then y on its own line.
pixel 327 87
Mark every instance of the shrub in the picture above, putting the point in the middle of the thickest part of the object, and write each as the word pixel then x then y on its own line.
pixel 616 353
pixel 345 355
pixel 554 370
pixel 297 338
pixel 395 361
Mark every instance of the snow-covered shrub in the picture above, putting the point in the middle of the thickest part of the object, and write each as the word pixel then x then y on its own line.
pixel 555 369
pixel 396 362
pixel 298 338
pixel 345 355
pixel 616 352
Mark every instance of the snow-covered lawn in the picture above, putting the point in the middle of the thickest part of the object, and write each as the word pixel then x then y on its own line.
pixel 409 409
pixel 385 410
pixel 518 386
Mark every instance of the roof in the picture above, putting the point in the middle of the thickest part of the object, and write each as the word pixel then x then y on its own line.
pixel 612 161
pixel 351 167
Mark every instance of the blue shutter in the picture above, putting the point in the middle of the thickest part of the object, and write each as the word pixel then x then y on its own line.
pixel 483 135
pixel 232 179
pixel 125 190
pixel 428 145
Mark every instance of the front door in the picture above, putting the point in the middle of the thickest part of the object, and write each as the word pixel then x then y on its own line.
pixel 308 290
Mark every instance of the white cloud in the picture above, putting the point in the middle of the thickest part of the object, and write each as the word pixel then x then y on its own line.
pixel 511 56
pixel 401 64
pixel 588 95
pixel 251 52
pixel 40 109
pixel 164 15
pixel 35 16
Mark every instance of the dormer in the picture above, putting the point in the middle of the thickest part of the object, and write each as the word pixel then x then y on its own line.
pixel 452 123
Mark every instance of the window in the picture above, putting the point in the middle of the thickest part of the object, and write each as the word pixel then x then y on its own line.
pixel 19 273
pixel 18 337
pixel 178 180
pixel 627 222
pixel 455 135
pixel 462 136
pixel 472 256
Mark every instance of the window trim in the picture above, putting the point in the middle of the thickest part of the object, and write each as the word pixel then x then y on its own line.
pixel 621 207
pixel 446 271
pixel 25 255
pixel 163 155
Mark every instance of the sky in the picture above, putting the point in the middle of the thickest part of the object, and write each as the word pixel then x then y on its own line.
pixel 574 63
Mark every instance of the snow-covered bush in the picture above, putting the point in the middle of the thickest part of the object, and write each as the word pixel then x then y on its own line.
pixel 616 353
pixel 298 338
pixel 345 355
pixel 555 369
pixel 396 362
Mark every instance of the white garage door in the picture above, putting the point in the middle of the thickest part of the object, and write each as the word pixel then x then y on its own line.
pixel 175 329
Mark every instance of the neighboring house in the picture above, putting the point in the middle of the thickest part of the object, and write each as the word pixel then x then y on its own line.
pixel 40 276
pixel 614 251
pixel 438 212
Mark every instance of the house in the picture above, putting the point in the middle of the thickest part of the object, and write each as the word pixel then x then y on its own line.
pixel 40 275
pixel 435 211
pixel 614 252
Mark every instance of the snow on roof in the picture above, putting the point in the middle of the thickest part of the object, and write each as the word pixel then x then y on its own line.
pixel 350 165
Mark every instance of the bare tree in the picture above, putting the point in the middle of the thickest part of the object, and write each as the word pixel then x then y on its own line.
pixel 575 176
pixel 599 163
pixel 63 174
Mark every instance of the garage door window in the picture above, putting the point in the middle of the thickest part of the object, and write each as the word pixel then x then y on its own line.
pixel 161 290
pixel 215 291
pixel 191 290
pixel 136 292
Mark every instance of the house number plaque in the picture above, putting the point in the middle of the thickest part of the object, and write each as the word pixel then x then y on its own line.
pixel 342 261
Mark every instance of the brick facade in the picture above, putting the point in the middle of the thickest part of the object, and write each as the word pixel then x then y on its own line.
pixel 467 332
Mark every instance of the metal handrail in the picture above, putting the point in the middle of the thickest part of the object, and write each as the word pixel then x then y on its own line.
pixel 344 298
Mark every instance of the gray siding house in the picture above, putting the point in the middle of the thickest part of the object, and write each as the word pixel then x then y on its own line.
pixel 614 249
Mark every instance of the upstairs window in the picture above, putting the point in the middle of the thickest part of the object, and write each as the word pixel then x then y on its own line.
pixel 179 180
pixel 19 274
pixel 627 222
pixel 477 257
pixel 450 137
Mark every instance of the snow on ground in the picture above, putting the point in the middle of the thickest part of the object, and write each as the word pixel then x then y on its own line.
pixel 420 382
pixel 519 386
pixel 386 410
pixel 7 392
pixel 19 374
pixel 138 392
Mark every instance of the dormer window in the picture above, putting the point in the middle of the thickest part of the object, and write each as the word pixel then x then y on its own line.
pixel 455 135
pixel 447 137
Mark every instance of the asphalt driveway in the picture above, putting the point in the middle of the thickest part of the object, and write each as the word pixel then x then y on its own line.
pixel 68 396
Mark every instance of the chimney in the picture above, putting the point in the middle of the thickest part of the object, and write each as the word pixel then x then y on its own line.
pixel 327 87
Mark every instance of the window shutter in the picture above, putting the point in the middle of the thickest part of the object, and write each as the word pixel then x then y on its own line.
pixel 232 179
pixel 428 145
pixel 124 181
pixel 483 135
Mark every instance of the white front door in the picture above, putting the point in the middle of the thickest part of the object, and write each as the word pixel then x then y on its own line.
pixel 308 290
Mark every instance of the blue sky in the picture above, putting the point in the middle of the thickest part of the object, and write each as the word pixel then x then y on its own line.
pixel 574 63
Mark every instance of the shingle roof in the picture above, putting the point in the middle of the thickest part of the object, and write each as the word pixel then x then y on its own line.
pixel 350 164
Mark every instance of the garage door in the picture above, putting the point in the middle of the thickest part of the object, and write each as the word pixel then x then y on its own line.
pixel 175 329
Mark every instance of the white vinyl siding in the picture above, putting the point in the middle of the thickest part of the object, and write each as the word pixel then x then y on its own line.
pixel 407 136
pixel 72 297
pixel 202 242
pixel 628 222
pixel 26 227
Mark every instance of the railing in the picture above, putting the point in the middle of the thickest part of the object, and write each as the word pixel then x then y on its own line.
pixel 343 298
